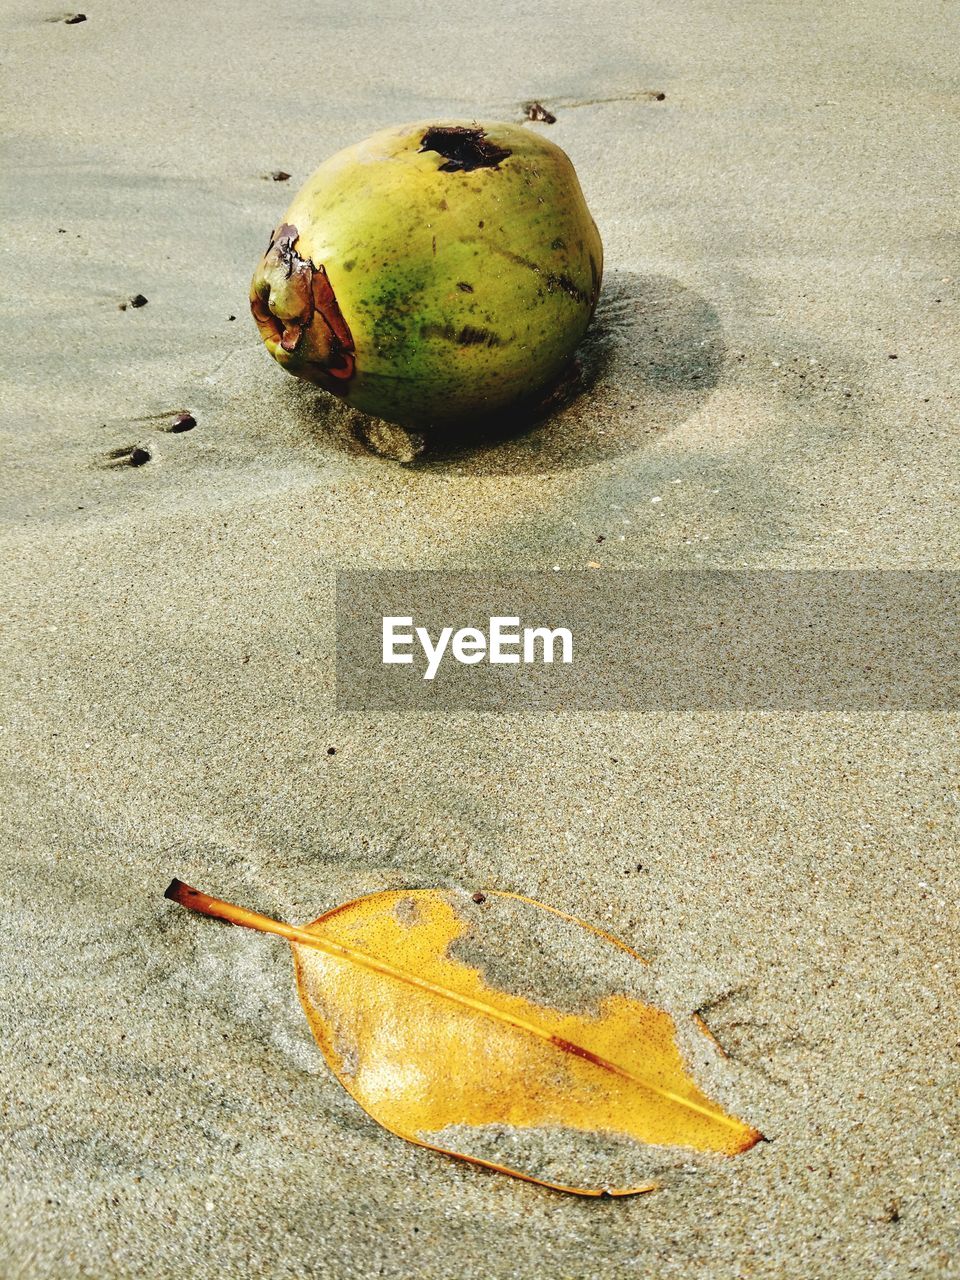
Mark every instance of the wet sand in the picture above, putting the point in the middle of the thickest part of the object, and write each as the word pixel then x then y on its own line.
pixel 777 363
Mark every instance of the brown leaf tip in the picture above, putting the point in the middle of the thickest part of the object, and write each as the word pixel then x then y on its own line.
pixel 750 1139
pixel 464 148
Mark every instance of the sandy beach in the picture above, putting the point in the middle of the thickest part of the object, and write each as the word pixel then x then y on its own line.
pixel 777 376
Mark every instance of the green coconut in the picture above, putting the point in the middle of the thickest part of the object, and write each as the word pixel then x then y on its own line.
pixel 433 274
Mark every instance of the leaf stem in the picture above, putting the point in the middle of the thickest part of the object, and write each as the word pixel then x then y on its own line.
pixel 186 896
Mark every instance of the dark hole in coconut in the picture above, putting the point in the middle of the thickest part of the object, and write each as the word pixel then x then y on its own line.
pixel 462 148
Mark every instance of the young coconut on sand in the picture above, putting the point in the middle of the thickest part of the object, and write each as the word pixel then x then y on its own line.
pixel 434 274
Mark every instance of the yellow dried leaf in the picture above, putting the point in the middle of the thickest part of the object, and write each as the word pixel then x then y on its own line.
pixel 409 997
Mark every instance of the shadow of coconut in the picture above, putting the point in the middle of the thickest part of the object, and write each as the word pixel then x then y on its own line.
pixel 651 357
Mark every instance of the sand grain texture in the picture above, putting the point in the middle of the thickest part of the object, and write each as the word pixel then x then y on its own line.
pixel 777 227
